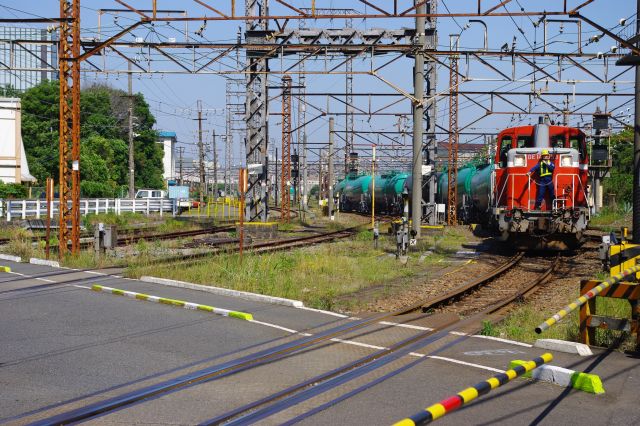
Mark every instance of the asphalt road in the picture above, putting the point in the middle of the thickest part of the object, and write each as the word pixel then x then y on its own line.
pixel 63 346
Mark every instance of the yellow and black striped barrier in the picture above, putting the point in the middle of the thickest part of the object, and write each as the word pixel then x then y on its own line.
pixel 454 402
pixel 586 297
pixel 180 303
pixel 623 256
pixel 5 269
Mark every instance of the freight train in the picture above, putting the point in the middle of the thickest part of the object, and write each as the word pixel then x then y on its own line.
pixel 501 195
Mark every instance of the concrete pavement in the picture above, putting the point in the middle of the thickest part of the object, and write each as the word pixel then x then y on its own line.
pixel 64 345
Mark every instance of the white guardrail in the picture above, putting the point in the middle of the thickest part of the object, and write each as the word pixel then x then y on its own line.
pixel 36 209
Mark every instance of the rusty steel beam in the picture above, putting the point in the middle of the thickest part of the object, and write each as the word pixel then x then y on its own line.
pixel 285 182
pixel 302 14
pixel 69 133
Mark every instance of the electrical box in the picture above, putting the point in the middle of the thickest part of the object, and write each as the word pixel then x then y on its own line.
pixel 110 236
pixel 599 153
pixel 105 237
pixel 600 121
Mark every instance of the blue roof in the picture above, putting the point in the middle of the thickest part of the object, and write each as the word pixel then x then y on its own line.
pixel 164 134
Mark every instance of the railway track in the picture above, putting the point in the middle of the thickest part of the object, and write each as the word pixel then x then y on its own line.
pixel 292 395
pixel 487 307
pixel 224 246
pixel 132 239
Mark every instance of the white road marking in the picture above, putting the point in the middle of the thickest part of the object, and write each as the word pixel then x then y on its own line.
pixel 279 327
pixel 359 344
pixel 498 339
pixel 414 327
pixel 31 276
pixel 490 352
pixel 354 343
pixel 468 364
pixel 335 314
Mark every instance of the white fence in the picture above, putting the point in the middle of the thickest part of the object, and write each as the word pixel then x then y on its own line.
pixel 36 209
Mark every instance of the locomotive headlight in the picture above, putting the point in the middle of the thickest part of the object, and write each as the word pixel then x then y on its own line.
pixel 519 160
pixel 565 161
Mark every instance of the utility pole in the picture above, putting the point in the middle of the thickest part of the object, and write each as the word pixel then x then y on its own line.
pixel 132 180
pixel 275 187
pixel 330 167
pixel 636 146
pixel 418 111
pixel 452 196
pixel 305 194
pixel 285 204
pixel 320 176
pixel 215 165
pixel 201 152
pixel 180 152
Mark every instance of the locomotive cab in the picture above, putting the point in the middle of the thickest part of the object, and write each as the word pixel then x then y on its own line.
pixel 559 221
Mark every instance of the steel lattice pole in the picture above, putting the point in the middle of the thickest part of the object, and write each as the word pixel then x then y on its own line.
pixel 69 142
pixel 286 149
pixel 452 199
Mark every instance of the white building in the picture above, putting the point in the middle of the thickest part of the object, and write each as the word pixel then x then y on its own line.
pixel 13 161
pixel 168 141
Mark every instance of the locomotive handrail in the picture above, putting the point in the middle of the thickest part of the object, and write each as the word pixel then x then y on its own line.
pixel 511 179
pixel 584 191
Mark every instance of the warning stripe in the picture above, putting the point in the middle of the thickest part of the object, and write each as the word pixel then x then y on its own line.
pixel 447 405
pixel 585 298
pixel 622 253
pixel 622 291
pixel 5 269
pixel 173 302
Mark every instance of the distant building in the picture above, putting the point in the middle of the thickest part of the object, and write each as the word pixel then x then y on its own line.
pixel 13 160
pixel 168 141
pixel 466 152
pixel 23 64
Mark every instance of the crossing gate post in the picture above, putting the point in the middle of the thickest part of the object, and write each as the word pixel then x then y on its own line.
pixel 590 321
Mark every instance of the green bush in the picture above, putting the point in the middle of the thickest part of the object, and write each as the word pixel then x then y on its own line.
pixel 92 189
pixel 12 190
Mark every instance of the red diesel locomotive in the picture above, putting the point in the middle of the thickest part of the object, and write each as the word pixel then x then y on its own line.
pixel 559 222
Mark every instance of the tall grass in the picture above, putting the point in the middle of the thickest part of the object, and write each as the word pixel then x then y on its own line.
pixel 316 275
pixel 20 243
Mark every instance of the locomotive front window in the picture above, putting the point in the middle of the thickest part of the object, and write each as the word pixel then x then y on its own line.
pixel 525 142
pixel 557 141
pixel 505 146
pixel 577 142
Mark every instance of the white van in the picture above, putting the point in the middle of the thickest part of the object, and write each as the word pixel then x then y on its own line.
pixel 155 194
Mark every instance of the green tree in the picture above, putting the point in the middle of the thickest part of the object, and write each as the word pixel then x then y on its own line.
pixel 621 180
pixel 103 133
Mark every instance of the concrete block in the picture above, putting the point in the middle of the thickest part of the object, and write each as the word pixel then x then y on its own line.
pixel 225 292
pixel 564 377
pixel 52 263
pixel 563 346
pixel 10 257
